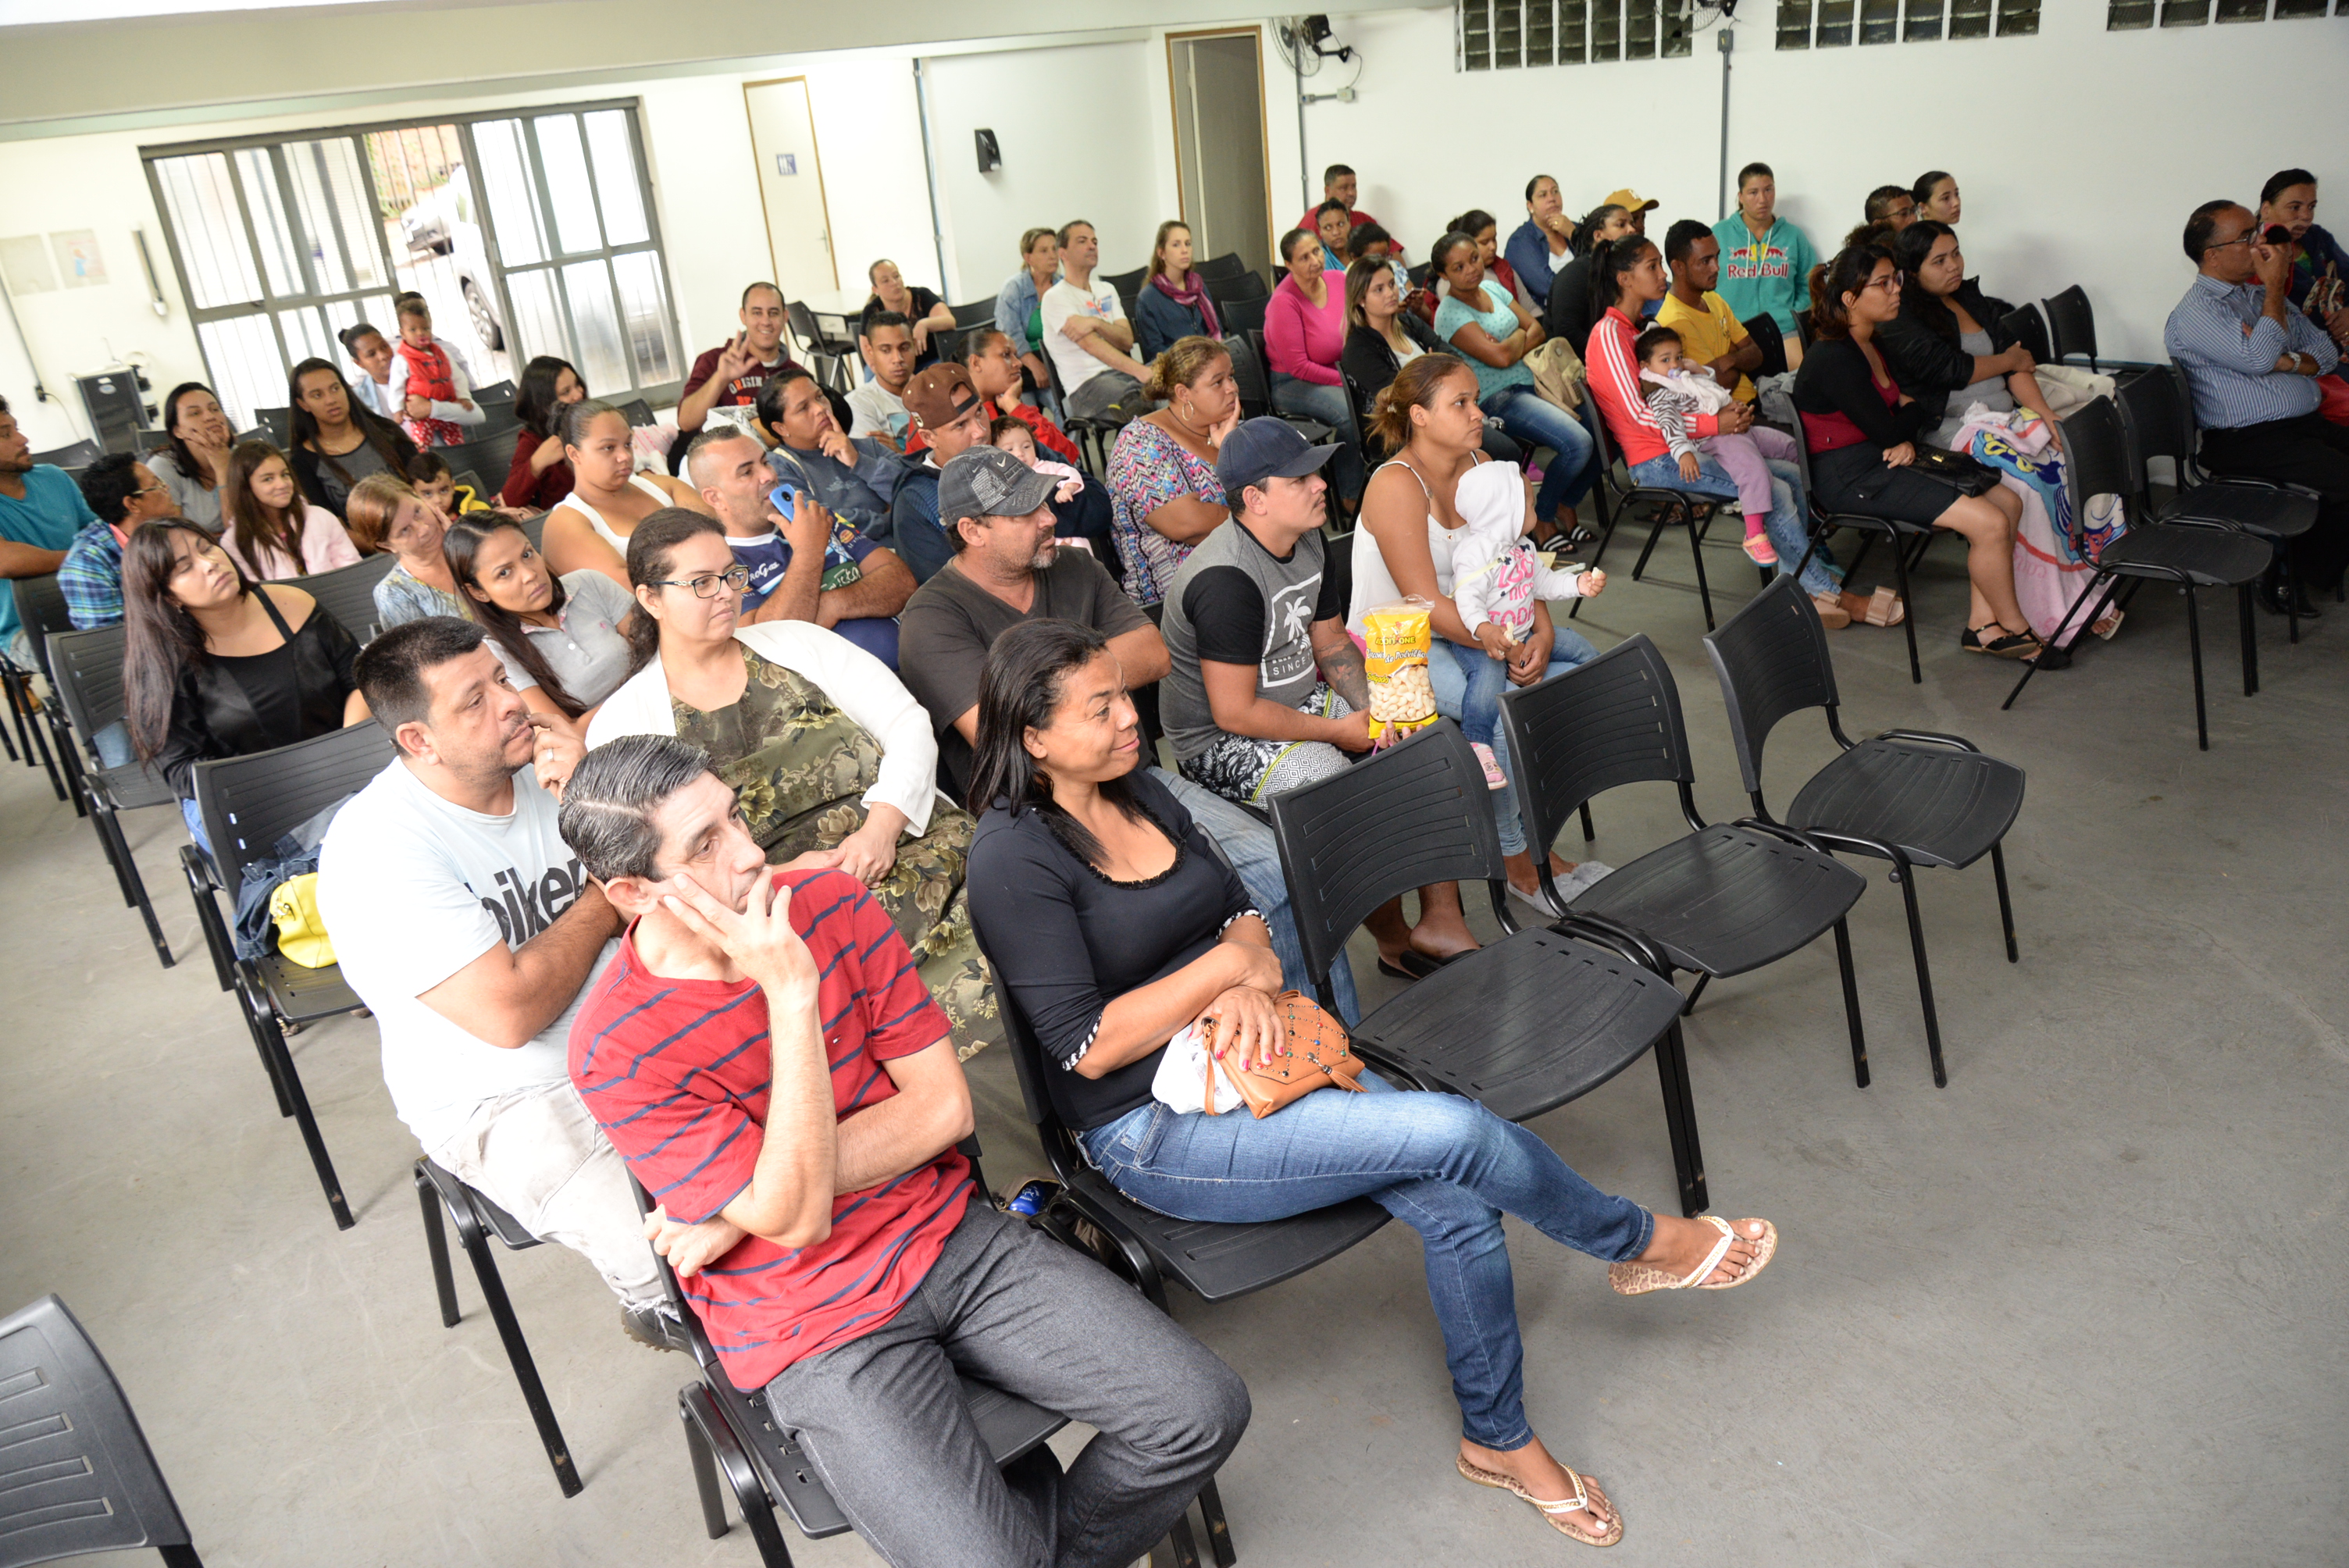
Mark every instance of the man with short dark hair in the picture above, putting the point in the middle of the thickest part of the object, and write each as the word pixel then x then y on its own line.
pixel 730 375
pixel 1338 184
pixel 40 513
pixel 1086 332
pixel 764 1055
pixel 1712 337
pixel 807 565
pixel 470 930
pixel 879 404
pixel 2250 361
pixel 1006 570
pixel 122 492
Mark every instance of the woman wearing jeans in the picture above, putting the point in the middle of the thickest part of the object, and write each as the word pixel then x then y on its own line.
pixel 1430 419
pixel 1113 925
pixel 1493 334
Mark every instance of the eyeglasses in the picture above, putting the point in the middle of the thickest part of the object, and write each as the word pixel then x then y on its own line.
pixel 2248 237
pixel 706 585
pixel 158 489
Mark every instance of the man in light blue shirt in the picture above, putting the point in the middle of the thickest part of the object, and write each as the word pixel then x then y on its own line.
pixel 2250 362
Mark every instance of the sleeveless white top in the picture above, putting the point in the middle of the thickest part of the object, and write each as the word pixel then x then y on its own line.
pixel 1374 584
pixel 596 519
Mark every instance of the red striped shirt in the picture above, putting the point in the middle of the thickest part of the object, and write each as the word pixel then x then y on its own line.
pixel 678 1074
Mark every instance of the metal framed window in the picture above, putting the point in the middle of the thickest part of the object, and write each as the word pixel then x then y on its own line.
pixel 1969 18
pixel 529 233
pixel 2018 18
pixel 1922 21
pixel 2185 12
pixel 1832 24
pixel 1574 31
pixel 1794 24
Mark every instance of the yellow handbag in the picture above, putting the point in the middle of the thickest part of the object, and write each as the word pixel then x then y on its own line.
pixel 301 932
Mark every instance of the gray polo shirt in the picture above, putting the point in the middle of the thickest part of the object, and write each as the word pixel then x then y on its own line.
pixel 1235 603
pixel 586 651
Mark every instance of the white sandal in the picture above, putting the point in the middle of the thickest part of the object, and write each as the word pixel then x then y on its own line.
pixel 1638 1279
pixel 1558 1512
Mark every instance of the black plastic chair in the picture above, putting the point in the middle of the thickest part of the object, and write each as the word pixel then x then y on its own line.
pixel 730 1434
pixel 76 1473
pixel 1764 330
pixel 2202 555
pixel 1094 435
pixel 85 673
pixel 1253 383
pixel 347 592
pixel 1126 284
pixel 2158 413
pixel 978 313
pixel 249 803
pixel 495 392
pixel 491 456
pixel 2030 329
pixel 2072 330
pixel 477 1220
pixel 1673 507
pixel 1911 797
pixel 40 610
pixel 830 346
pixel 279 423
pixel 1242 315
pixel 1217 268
pixel 1522 1025
pixel 1236 288
pixel 1728 898
pixel 79 455
pixel 1909 542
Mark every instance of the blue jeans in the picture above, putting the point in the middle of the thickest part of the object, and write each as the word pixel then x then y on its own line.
pixel 112 745
pixel 1468 687
pixel 1330 406
pixel 1534 423
pixel 1442 1165
pixel 1784 525
pixel 193 815
pixel 1248 844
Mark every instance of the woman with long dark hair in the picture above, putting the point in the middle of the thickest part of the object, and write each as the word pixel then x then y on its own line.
pixel 1382 336
pixel 540 476
pixel 215 666
pixel 994 366
pixel 1116 925
pixel 561 639
pixel 273 530
pixel 832 761
pixel 1862 428
pixel 1945 345
pixel 336 442
pixel 194 467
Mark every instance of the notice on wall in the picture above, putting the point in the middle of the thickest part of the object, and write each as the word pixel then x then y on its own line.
pixel 80 265
pixel 25 262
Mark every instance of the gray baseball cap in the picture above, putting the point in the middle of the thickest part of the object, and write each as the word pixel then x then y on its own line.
pixel 988 482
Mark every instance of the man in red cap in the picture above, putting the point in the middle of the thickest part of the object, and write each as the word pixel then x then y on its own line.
pixel 953 418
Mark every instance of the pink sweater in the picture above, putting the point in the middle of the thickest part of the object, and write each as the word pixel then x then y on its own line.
pixel 1301 341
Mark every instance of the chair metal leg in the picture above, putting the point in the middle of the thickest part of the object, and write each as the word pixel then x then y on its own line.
pixel 68 756
pixel 1694 992
pixel 264 1020
pixel 1696 554
pixel 2194 649
pixel 1906 875
pixel 108 824
pixel 1588 832
pixel 180 1557
pixel 741 1478
pixel 1679 1120
pixel 436 1245
pixel 1851 1004
pixel 705 1473
pixel 2005 904
pixel 1818 535
pixel 525 1370
pixel 34 734
pixel 2250 642
pixel 1653 534
pixel 1182 1543
pixel 7 742
pixel 2055 638
pixel 1907 612
pixel 1219 1529
pixel 1868 537
pixel 194 866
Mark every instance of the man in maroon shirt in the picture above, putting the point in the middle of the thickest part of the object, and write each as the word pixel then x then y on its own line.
pixel 1339 184
pixel 762 1051
pixel 730 375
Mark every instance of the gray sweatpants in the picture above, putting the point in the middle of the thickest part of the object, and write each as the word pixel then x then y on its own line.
pixel 884 1422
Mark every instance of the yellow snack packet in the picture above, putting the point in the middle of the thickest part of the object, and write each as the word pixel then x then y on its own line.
pixel 1396 639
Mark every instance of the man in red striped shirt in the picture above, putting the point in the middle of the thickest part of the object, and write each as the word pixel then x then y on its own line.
pixel 762 1051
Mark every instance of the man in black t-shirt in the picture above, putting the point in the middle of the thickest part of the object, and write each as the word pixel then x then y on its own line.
pixel 1250 619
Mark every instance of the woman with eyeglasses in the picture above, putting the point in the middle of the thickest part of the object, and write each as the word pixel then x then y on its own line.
pixel 216 665
pixel 833 762
pixel 1862 430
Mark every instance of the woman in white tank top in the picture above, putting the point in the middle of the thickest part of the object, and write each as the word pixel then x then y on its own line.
pixel 589 531
pixel 1428 418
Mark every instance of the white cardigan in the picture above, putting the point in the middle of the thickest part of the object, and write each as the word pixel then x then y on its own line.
pixel 859 685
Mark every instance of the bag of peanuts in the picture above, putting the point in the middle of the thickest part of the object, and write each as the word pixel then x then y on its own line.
pixel 1396 645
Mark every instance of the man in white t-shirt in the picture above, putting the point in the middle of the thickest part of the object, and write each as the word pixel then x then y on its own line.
pixel 1086 332
pixel 470 931
pixel 879 404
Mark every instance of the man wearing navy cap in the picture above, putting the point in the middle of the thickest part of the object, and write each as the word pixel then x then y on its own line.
pixel 1267 692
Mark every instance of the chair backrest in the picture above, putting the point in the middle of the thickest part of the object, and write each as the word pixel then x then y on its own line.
pixel 41 608
pixel 2159 419
pixel 801 322
pixel 491 455
pixel 1615 720
pixel 249 802
pixel 76 1474
pixel 1416 814
pixel 533 528
pixel 85 668
pixel 2030 329
pixel 1228 265
pixel 495 392
pixel 1242 315
pixel 2095 459
pixel 279 423
pixel 976 312
pixel 1602 445
pixel 1248 379
pixel 950 343
pixel 1241 286
pixel 2071 325
pixel 79 455
pixel 347 592
pixel 1417 273
pixel 1763 329
pixel 1771 658
pixel 1125 282
pixel 1361 402
pixel 639 412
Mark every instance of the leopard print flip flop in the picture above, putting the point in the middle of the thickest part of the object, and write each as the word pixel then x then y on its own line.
pixel 1558 1513
pixel 1639 1279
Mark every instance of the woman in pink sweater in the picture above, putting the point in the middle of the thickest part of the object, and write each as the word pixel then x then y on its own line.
pixel 1304 333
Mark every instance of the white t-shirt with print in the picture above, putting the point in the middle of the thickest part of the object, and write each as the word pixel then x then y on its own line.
pixel 412 889
pixel 1063 300
pixel 879 412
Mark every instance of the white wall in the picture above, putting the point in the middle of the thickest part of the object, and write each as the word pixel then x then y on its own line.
pixel 2079 152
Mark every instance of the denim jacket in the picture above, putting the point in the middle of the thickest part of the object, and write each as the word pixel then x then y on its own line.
pixel 1014 305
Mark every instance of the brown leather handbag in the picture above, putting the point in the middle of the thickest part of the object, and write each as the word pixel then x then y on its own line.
pixel 1316 1056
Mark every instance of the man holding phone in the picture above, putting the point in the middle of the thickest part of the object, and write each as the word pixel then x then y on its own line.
pixel 806 564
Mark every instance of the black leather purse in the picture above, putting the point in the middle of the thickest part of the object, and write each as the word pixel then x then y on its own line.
pixel 1961 472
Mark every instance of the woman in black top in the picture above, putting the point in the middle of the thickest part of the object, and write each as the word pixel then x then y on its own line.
pixel 1861 429
pixel 1945 345
pixel 1112 924
pixel 925 315
pixel 1382 337
pixel 335 441
pixel 215 666
pixel 1571 311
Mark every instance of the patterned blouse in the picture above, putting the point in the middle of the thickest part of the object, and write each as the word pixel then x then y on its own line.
pixel 1147 469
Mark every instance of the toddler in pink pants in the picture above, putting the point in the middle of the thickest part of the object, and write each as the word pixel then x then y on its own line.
pixel 1676 392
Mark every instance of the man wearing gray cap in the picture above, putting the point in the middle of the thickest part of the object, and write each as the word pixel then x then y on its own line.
pixel 1005 570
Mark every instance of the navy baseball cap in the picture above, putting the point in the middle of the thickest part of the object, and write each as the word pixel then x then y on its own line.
pixel 1266 448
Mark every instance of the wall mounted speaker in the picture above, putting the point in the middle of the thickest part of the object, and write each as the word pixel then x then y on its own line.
pixel 990 156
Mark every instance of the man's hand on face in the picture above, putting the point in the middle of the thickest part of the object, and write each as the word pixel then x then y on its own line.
pixel 2273 264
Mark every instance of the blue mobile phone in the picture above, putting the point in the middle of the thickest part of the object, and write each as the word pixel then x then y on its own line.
pixel 780 499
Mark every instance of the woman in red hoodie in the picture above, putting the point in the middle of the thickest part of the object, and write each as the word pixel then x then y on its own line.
pixel 1304 334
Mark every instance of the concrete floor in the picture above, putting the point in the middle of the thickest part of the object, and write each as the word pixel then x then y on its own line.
pixel 2073 1308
